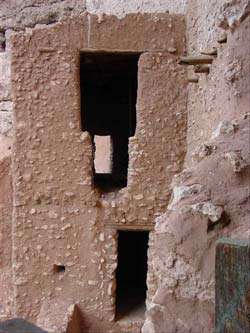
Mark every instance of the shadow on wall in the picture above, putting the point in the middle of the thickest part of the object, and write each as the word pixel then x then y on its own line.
pixel 19 326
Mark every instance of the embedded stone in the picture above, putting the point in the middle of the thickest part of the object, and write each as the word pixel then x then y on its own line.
pixel 224 127
pixel 236 160
pixel 213 212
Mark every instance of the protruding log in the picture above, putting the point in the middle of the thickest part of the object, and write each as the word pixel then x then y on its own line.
pixel 196 60
pixel 222 39
pixel 201 69
pixel 193 79
pixel 232 286
pixel 46 50
pixel 212 52
pixel 172 50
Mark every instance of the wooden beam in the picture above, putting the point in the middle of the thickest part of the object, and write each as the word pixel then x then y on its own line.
pixel 222 39
pixel 193 79
pixel 201 69
pixel 128 227
pixel 212 52
pixel 196 60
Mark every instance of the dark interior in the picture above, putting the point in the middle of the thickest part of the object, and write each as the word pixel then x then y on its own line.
pixel 108 107
pixel 58 269
pixel 131 273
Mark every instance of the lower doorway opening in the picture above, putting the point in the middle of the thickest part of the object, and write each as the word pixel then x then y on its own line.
pixel 131 275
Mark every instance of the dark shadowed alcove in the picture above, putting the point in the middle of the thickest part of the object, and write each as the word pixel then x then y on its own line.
pixel 131 273
pixel 108 108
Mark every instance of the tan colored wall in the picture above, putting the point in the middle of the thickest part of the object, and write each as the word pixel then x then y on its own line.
pixel 59 218
pixel 5 188
pixel 5 239
pixel 183 287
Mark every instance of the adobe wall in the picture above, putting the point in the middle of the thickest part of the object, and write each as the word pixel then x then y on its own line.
pixel 18 15
pixel 216 178
pixel 59 217
pixel 5 238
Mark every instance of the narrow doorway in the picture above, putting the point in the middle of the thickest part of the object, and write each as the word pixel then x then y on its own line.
pixel 131 274
pixel 108 108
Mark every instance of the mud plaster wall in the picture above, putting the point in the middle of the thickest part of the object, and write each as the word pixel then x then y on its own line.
pixel 18 15
pixel 203 19
pixel 5 230
pixel 59 218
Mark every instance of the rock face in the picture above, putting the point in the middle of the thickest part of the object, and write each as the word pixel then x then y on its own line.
pixel 184 250
pixel 210 197
pixel 189 161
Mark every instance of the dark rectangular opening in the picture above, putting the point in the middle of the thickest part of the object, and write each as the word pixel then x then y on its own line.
pixel 108 108
pixel 131 274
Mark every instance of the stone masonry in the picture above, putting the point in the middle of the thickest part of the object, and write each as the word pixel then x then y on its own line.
pixel 59 217
pixel 188 172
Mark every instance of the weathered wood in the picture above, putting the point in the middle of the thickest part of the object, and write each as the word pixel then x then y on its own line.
pixel 46 50
pixel 232 275
pixel 196 60
pixel 193 79
pixel 212 52
pixel 201 69
pixel 222 39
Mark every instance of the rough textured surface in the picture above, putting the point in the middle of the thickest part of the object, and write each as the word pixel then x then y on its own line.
pixel 188 235
pixel 18 14
pixel 5 238
pixel 209 197
pixel 223 94
pixel 123 7
pixel 67 221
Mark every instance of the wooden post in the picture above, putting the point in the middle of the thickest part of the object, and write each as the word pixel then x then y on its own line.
pixel 212 52
pixel 193 79
pixel 222 39
pixel 196 60
pixel 232 286
pixel 202 69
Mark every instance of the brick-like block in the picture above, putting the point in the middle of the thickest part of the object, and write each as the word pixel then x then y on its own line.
pixel 232 274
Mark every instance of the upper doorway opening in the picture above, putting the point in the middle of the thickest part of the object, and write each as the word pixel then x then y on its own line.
pixel 108 109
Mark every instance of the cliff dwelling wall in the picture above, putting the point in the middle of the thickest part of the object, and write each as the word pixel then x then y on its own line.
pixel 188 172
pixel 64 228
